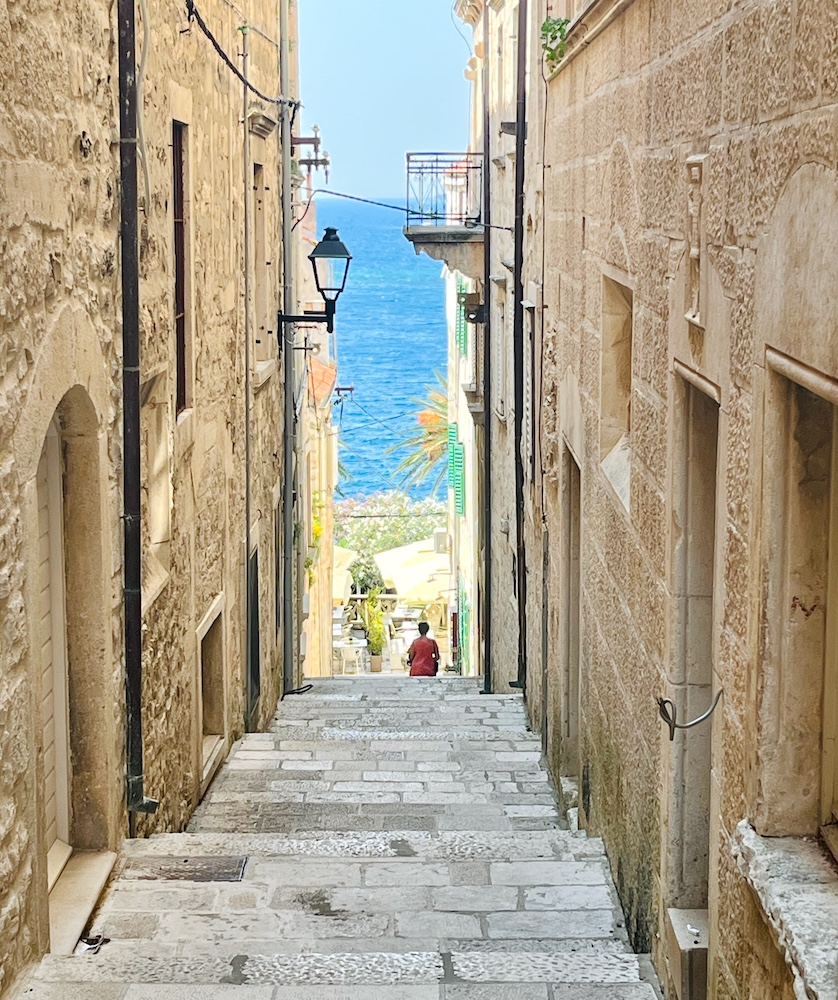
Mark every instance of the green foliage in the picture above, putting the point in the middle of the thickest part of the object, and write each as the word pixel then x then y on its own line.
pixel 427 447
pixel 374 618
pixel 554 40
pixel 380 522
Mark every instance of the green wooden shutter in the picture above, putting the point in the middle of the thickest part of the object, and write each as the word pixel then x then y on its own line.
pixel 452 444
pixel 461 328
pixel 460 479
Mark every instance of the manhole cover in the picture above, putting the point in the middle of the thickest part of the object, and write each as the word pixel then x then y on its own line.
pixel 178 868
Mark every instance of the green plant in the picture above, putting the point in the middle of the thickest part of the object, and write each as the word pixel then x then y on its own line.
pixel 380 522
pixel 374 617
pixel 427 447
pixel 554 40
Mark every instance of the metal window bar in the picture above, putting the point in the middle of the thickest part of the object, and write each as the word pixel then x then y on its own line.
pixel 178 203
pixel 444 189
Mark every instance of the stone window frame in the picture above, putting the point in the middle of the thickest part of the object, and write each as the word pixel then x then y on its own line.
pixel 790 871
pixel 215 613
pixel 158 492
pixel 180 113
pixel 615 449
pixel 778 712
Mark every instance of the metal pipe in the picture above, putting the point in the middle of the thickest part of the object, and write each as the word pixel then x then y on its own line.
pixel 487 365
pixel 250 694
pixel 136 799
pixel 518 339
pixel 288 335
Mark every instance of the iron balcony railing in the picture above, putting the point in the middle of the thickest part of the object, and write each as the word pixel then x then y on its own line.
pixel 444 189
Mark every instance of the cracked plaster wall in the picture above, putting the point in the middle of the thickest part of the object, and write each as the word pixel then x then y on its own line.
pixel 753 87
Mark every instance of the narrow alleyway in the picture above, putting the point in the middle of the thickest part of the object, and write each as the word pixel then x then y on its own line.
pixel 399 840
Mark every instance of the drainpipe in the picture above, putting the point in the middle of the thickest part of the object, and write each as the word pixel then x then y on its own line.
pixel 288 355
pixel 487 367
pixel 136 799
pixel 518 340
pixel 251 694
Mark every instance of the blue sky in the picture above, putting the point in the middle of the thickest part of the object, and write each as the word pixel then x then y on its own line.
pixel 381 78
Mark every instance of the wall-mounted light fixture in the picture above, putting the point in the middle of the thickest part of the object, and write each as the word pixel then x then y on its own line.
pixel 330 261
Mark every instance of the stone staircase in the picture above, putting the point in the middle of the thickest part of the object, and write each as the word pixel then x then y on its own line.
pixel 389 839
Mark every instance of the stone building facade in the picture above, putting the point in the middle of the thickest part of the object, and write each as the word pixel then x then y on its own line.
pixel 62 687
pixel 679 222
pixel 686 211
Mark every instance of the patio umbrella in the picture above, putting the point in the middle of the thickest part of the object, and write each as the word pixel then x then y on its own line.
pixel 416 571
pixel 341 577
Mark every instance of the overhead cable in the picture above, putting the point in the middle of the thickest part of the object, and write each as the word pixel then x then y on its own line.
pixel 194 15
pixel 438 216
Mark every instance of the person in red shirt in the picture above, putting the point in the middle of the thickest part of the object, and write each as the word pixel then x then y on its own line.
pixel 423 655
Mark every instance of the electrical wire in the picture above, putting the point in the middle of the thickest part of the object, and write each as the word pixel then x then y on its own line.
pixel 360 517
pixel 458 29
pixel 438 216
pixel 380 420
pixel 194 15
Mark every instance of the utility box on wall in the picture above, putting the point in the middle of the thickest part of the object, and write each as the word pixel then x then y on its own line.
pixel 686 950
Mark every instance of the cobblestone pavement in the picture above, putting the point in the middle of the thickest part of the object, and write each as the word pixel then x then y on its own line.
pixel 399 841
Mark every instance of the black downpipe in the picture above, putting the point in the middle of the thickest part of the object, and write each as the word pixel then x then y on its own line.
pixel 487 367
pixel 518 340
pixel 132 557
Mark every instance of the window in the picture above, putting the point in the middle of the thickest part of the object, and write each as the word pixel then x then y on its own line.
pixel 615 386
pixel 528 431
pixel 180 209
pixel 157 484
pixel 498 360
pixel 798 710
pixel 212 688
pixel 278 555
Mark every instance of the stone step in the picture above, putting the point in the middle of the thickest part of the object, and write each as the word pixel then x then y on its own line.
pixel 451 991
pixel 603 970
pixel 560 845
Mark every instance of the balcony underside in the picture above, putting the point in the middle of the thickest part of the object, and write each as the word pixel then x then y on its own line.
pixel 460 247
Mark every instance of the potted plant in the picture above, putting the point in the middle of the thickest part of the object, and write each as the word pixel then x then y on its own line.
pixel 374 615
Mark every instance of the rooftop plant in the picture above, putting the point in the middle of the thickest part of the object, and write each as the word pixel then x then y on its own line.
pixel 554 40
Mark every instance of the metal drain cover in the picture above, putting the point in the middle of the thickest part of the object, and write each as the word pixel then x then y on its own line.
pixel 180 869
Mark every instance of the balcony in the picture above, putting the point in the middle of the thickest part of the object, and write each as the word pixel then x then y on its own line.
pixel 444 209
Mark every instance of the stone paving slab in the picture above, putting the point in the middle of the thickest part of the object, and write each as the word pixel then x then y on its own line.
pixel 403 842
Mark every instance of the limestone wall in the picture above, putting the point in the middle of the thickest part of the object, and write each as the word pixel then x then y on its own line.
pixel 60 360
pixel 500 58
pixel 691 158
pixel 58 330
pixel 187 83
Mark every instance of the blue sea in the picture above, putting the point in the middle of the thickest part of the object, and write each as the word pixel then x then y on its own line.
pixel 391 335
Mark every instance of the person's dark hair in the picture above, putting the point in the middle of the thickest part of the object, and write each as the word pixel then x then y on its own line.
pixel 423 628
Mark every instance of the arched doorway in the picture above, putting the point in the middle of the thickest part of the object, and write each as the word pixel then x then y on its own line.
pixel 75 683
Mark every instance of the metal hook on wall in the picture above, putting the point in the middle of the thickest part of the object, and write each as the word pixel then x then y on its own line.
pixel 669 714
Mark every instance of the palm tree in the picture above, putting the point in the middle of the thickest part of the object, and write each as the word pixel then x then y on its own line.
pixel 427 447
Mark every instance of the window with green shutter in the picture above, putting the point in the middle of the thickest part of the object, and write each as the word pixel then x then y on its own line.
pixel 452 444
pixel 460 327
pixel 459 479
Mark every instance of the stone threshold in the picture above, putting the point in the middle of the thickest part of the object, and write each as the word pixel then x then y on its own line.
pixel 74 897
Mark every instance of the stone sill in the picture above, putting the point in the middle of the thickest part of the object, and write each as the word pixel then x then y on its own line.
pixel 262 372
pixel 795 883
pixel 586 26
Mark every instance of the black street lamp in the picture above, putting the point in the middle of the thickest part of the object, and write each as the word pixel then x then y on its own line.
pixel 330 262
